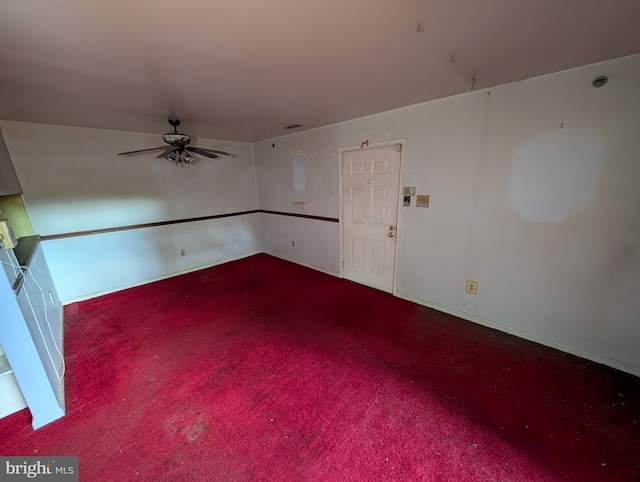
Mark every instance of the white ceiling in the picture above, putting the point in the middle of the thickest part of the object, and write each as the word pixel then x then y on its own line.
pixel 244 69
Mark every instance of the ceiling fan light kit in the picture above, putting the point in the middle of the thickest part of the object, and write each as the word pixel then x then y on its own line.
pixel 182 153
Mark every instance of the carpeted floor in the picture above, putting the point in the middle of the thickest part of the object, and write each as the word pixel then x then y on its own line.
pixel 261 369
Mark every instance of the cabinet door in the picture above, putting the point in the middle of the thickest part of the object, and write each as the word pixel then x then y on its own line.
pixel 25 359
pixel 51 302
pixel 42 309
pixel 11 398
pixel 8 179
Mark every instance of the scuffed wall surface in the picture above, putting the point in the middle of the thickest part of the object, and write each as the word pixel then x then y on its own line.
pixel 73 180
pixel 533 192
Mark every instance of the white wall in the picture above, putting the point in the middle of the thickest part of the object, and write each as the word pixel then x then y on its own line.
pixel 86 265
pixel 534 193
pixel 305 241
pixel 317 243
pixel 73 180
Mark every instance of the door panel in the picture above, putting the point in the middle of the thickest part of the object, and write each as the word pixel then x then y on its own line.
pixel 379 205
pixel 380 166
pixel 358 167
pixel 377 256
pixel 357 252
pixel 357 203
pixel 370 186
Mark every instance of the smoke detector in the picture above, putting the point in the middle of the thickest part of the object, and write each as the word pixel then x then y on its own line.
pixel 600 81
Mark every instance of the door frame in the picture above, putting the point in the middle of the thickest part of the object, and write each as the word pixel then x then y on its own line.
pixel 374 145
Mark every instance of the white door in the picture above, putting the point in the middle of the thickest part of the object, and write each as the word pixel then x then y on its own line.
pixel 370 189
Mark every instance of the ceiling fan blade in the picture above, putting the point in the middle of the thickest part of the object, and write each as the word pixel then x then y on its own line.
pixel 165 154
pixel 212 151
pixel 141 150
pixel 202 152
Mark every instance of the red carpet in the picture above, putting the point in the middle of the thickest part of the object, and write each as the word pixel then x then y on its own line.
pixel 264 370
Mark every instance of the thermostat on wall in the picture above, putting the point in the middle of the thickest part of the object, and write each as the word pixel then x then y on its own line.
pixel 409 191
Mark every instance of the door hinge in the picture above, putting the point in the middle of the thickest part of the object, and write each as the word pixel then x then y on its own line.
pixel 398 147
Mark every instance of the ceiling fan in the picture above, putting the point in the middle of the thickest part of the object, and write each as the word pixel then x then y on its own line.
pixel 180 153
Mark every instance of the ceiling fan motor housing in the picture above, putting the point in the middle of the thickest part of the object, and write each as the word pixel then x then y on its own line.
pixel 176 139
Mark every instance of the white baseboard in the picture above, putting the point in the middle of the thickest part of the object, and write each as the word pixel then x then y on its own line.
pixel 152 280
pixel 527 336
pixel 13 408
pixel 337 275
pixel 36 423
pixel 186 271
pixel 633 370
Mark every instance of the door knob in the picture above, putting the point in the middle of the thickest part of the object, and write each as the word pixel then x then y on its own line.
pixel 391 232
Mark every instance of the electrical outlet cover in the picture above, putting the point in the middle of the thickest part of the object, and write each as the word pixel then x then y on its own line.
pixel 471 287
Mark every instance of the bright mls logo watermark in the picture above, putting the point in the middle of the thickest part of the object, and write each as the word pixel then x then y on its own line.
pixel 54 469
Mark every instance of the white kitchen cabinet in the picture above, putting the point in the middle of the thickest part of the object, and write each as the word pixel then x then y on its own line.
pixel 11 398
pixel 31 333
pixel 42 312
